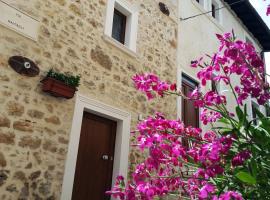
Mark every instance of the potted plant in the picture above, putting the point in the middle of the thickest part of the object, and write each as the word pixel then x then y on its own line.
pixel 60 84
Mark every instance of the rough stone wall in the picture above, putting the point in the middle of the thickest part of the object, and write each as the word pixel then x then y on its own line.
pixel 35 127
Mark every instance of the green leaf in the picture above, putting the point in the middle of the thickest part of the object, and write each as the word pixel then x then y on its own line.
pixel 241 116
pixel 223 129
pixel 253 166
pixel 246 178
pixel 73 81
pixel 260 135
pixel 259 114
pixel 245 109
pixel 224 120
pixel 239 113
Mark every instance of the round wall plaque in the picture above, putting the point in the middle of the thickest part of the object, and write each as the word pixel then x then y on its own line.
pixel 23 66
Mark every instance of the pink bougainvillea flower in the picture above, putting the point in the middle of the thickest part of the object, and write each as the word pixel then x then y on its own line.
pixel 241 157
pixel 268 11
pixel 210 136
pixel 196 63
pixel 207 116
pixel 173 147
pixel 118 190
pixel 230 195
pixel 150 84
pixel 206 191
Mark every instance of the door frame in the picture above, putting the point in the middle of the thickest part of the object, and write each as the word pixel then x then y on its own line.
pixel 180 73
pixel 190 82
pixel 121 154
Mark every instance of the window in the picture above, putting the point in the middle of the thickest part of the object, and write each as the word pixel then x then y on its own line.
pixel 215 10
pixel 190 113
pixel 121 23
pixel 119 26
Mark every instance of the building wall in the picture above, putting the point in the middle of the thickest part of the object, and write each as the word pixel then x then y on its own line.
pixel 197 37
pixel 35 127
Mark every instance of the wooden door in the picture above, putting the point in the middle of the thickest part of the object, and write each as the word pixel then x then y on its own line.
pixel 93 175
pixel 190 114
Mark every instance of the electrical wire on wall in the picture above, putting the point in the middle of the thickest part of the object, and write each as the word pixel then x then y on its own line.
pixel 205 13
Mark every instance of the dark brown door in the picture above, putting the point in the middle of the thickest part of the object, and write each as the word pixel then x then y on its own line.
pixel 93 175
pixel 190 114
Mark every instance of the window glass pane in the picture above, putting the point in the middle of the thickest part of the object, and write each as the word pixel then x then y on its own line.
pixel 213 10
pixel 119 26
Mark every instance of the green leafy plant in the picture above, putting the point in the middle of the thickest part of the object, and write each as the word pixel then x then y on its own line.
pixel 70 80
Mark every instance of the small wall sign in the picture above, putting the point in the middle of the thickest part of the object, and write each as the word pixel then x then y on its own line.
pixel 18 21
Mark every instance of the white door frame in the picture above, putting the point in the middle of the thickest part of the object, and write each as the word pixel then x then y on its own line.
pixel 123 118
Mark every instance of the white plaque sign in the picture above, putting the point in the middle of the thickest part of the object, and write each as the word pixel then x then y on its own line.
pixel 18 21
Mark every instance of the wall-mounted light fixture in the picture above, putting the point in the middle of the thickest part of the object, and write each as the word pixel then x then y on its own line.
pixel 23 66
pixel 164 9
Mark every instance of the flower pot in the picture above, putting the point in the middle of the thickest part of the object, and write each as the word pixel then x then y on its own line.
pixel 57 88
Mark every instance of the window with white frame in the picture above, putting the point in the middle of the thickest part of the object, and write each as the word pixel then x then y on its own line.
pixel 121 23
pixel 215 8
pixel 119 26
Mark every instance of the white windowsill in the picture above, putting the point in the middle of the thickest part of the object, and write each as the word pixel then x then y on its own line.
pixel 119 45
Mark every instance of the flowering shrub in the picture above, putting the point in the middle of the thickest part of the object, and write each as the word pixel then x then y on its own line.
pixel 231 161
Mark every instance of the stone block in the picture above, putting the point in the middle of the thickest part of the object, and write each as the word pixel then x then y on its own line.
pixel 14 108
pixel 4 121
pixel 7 138
pixel 50 145
pixel 53 120
pixel 31 142
pixel 23 126
pixel 35 114
pixel 3 162
pixel 101 58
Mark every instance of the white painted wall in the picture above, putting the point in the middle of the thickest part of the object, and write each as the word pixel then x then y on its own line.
pixel 196 36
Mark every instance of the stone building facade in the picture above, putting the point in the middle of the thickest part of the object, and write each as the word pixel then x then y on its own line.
pixel 35 128
pixel 39 134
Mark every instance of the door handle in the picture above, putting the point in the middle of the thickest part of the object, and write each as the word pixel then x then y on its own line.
pixel 105 157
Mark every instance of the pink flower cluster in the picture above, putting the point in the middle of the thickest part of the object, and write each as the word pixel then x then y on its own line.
pixel 237 59
pixel 209 99
pixel 229 195
pixel 151 84
pixel 208 116
pixel 241 157
pixel 268 10
pixel 165 169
